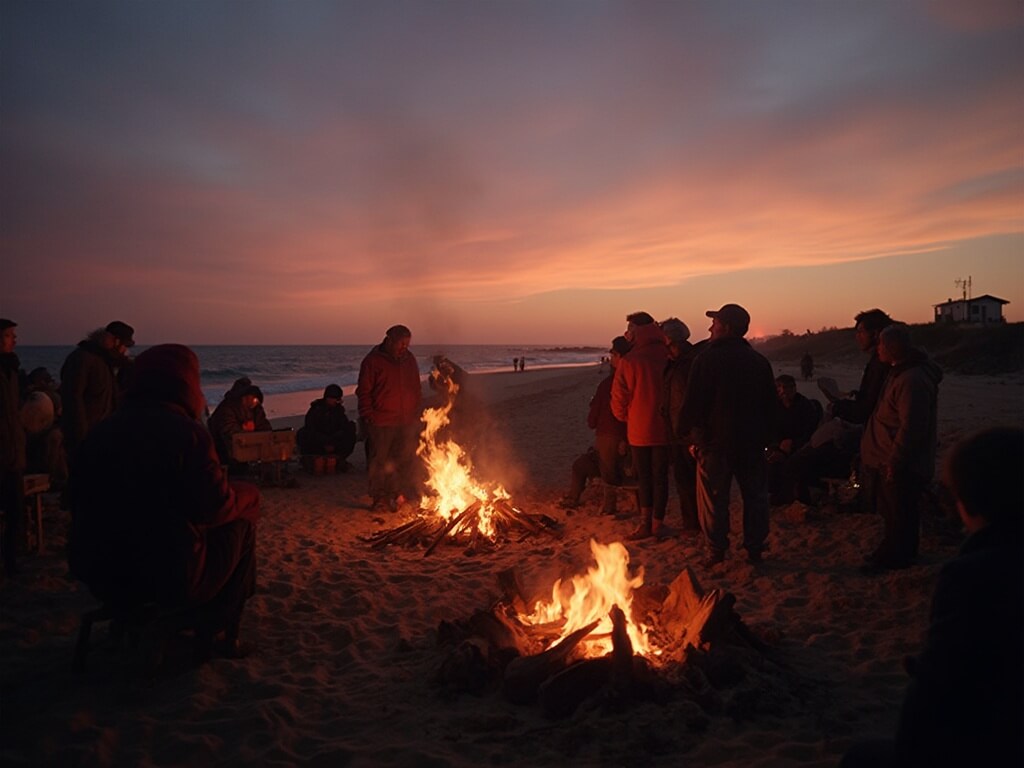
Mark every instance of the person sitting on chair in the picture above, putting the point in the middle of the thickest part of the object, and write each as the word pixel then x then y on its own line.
pixel 154 519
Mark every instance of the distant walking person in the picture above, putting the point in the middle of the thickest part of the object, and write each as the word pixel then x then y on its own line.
pixel 807 366
pixel 390 398
pixel 728 414
pixel 12 447
pixel 637 400
pixel 897 450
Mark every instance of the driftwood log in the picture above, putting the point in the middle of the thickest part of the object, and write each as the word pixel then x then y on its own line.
pixel 524 675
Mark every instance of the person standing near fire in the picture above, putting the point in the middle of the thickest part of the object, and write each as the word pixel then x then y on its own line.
pixel 637 400
pixel 390 398
pixel 729 414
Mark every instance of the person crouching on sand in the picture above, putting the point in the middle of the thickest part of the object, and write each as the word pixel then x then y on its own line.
pixel 154 518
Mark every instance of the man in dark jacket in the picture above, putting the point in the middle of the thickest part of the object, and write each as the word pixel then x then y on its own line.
pixel 154 519
pixel 12 447
pixel 795 421
pixel 728 415
pixel 681 354
pixel 390 396
pixel 327 429
pixel 897 450
pixel 88 381
pixel 964 704
pixel 856 410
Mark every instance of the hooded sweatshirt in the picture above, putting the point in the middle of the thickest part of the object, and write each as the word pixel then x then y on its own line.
pixel 637 389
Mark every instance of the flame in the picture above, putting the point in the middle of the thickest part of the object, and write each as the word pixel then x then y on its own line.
pixel 590 598
pixel 450 473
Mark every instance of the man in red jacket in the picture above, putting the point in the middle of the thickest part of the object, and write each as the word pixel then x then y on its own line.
pixel 390 404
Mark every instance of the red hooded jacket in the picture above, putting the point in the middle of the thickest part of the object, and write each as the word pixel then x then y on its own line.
pixel 637 389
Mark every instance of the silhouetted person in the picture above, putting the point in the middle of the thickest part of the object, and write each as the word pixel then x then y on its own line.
pixel 327 429
pixel 964 704
pixel 88 381
pixel 607 458
pixel 807 366
pixel 897 451
pixel 12 447
pixel 154 519
pixel 728 414
pixel 796 418
pixel 681 354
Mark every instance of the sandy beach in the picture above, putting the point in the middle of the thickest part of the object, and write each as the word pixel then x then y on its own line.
pixel 348 643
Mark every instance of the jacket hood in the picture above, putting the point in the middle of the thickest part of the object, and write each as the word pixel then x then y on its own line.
pixel 648 334
pixel 919 359
pixel 169 373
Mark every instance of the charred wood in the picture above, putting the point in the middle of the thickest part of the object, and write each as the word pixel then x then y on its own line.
pixel 524 675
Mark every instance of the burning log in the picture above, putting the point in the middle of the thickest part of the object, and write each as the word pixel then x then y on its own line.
pixel 470 510
pixel 564 691
pixel 713 620
pixel 524 675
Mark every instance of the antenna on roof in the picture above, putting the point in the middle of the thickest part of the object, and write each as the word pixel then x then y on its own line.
pixel 965 286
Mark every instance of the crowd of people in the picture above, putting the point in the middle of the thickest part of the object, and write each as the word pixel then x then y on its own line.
pixel 704 414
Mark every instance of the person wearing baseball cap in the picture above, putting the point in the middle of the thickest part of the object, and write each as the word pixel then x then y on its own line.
pixel 728 417
pixel 92 380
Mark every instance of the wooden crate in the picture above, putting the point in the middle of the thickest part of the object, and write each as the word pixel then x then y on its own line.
pixel 278 445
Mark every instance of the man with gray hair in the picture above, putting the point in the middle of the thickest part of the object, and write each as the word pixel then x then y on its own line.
pixel 898 447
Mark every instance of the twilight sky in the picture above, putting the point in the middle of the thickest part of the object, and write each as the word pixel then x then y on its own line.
pixel 262 171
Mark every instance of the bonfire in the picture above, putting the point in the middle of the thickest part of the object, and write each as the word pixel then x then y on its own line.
pixel 458 507
pixel 591 635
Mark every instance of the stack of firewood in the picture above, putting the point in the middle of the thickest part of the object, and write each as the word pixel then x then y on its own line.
pixel 430 529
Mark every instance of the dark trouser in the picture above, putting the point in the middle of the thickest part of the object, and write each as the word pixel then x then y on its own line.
pixel 684 472
pixel 391 454
pixel 898 502
pixel 809 465
pixel 651 463
pixel 715 471
pixel 228 577
pixel 12 502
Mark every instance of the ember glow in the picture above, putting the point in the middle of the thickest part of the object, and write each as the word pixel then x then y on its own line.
pixel 450 475
pixel 590 597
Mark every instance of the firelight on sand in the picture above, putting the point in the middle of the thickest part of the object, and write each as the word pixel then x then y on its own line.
pixel 590 598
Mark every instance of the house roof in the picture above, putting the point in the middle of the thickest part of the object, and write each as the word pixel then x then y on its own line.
pixel 988 296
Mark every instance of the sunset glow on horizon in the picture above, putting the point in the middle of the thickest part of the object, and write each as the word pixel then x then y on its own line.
pixel 503 172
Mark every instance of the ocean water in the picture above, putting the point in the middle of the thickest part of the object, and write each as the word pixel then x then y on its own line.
pixel 287 369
